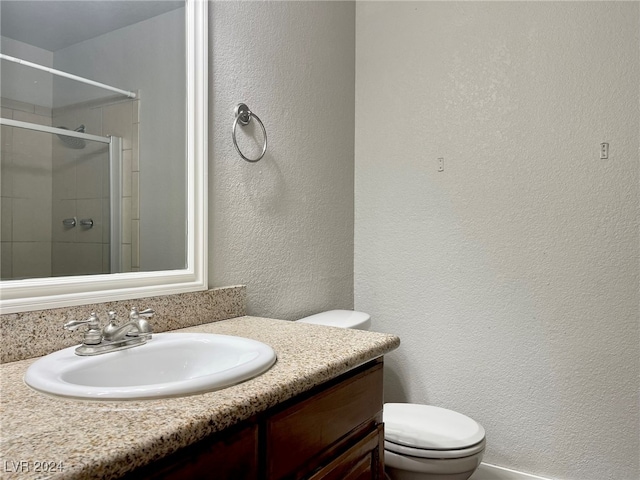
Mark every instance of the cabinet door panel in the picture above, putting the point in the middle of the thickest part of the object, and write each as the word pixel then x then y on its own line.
pixel 301 432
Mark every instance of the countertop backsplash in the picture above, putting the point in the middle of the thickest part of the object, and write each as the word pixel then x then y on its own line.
pixel 33 334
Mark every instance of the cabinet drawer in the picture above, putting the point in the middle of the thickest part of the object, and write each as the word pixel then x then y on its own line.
pixel 302 432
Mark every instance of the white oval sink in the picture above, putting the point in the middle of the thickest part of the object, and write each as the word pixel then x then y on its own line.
pixel 168 365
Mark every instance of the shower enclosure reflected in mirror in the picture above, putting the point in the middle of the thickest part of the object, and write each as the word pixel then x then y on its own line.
pixel 94 170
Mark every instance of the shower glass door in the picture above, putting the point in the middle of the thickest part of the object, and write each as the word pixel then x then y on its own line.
pixel 60 199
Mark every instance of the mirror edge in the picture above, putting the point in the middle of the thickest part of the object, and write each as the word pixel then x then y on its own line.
pixel 45 293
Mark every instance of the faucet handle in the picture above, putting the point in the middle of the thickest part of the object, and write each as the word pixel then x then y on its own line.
pixel 92 322
pixel 146 313
pixel 93 335
pixel 139 318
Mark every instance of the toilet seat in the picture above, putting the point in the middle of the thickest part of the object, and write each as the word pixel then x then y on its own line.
pixel 433 454
pixel 426 431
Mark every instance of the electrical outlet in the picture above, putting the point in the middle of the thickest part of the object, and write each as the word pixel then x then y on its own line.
pixel 604 151
pixel 441 164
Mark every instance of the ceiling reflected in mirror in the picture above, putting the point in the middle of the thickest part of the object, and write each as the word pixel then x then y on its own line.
pixel 54 25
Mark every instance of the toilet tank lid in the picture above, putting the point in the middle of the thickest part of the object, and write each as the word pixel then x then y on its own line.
pixel 429 427
pixel 338 318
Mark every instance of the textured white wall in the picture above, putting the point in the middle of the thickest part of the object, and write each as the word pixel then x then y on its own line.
pixel 512 276
pixel 284 226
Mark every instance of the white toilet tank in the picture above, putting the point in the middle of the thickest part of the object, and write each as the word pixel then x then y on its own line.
pixel 340 318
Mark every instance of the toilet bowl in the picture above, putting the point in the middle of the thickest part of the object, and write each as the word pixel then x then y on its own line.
pixel 421 442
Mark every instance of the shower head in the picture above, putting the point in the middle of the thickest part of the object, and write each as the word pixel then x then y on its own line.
pixel 72 142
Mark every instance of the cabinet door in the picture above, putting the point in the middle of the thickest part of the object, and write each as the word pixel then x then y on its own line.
pixel 230 456
pixel 363 461
pixel 307 435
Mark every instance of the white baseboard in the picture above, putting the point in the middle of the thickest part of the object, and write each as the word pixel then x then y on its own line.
pixel 486 471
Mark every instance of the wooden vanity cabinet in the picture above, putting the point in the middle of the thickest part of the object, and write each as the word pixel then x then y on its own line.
pixel 333 432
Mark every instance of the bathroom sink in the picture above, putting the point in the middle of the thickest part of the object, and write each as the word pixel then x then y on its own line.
pixel 169 365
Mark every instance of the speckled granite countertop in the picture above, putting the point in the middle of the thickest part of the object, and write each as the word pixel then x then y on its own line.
pixel 107 439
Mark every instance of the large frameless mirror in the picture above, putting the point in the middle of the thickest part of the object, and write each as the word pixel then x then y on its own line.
pixel 103 138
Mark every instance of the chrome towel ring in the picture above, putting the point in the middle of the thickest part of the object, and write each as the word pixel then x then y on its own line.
pixel 243 116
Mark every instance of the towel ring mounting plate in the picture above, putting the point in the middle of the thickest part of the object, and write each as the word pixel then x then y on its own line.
pixel 243 116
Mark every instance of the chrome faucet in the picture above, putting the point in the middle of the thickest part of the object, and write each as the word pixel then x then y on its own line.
pixel 113 337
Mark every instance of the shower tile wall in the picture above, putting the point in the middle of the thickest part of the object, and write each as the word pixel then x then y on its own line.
pixel 87 194
pixel 25 195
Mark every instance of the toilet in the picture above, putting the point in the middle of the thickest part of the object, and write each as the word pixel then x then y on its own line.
pixel 421 442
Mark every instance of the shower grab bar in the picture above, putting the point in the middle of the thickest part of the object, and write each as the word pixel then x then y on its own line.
pixel 243 116
pixel 57 131
pixel 67 75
